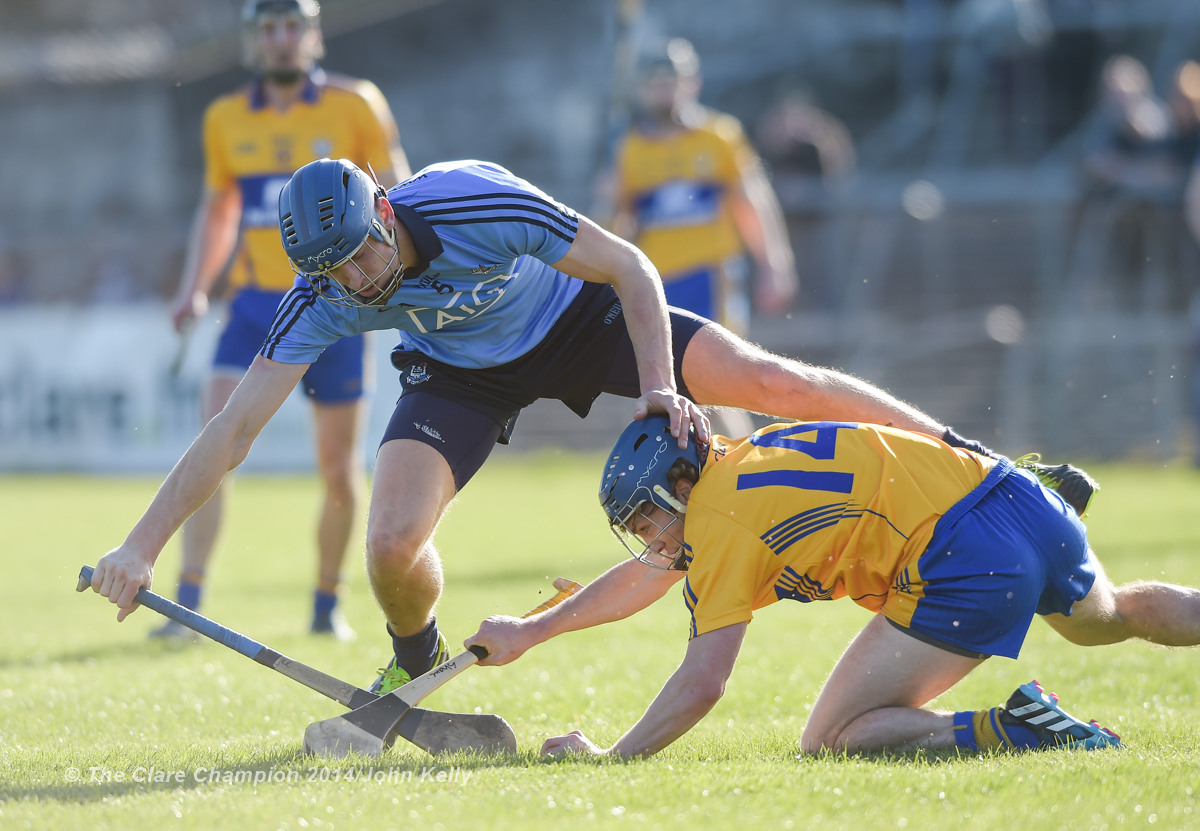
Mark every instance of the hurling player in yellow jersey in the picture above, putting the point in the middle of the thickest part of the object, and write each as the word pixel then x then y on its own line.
pixel 692 194
pixel 290 113
pixel 954 551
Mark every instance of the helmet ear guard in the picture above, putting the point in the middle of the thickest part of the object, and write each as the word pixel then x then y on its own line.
pixel 669 498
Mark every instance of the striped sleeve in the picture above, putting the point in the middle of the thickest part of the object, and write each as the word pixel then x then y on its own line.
pixel 301 330
pixel 505 211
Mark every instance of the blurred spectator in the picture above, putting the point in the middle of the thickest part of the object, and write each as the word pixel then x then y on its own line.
pixel 806 146
pixel 1136 160
pixel 1128 149
pixel 691 192
pixel 1184 105
pixel 810 153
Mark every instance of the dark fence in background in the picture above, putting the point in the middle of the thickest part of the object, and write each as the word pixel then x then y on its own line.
pixel 963 264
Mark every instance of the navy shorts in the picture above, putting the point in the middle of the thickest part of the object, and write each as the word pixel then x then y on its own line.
pixel 334 378
pixel 463 413
pixel 1007 551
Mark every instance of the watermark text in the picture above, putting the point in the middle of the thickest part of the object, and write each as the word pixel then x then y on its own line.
pixel 143 775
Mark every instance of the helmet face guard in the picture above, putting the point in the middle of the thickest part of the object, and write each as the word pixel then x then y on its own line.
pixel 326 216
pixel 641 546
pixel 636 479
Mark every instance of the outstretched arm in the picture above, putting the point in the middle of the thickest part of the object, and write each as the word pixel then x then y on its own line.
pixel 624 589
pixel 725 370
pixel 688 695
pixel 220 447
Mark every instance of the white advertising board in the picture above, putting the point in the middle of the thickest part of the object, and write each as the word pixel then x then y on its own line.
pixel 91 390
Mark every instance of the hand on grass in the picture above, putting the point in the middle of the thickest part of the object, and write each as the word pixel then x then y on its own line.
pixel 573 742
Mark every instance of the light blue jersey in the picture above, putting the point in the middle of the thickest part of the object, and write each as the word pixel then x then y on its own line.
pixel 486 294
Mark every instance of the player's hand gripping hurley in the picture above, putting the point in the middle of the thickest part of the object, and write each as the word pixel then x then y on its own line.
pixel 372 729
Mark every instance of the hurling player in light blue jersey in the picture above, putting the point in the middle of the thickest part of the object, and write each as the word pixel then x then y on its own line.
pixel 488 282
pixel 501 296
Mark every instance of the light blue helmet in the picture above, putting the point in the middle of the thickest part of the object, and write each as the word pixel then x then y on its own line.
pixel 636 473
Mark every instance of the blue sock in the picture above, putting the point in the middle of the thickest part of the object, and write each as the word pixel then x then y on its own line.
pixel 964 730
pixel 189 595
pixel 415 653
pixel 323 603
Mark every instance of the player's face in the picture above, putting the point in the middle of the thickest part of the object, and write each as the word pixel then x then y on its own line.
pixel 285 43
pixel 659 92
pixel 662 532
pixel 370 271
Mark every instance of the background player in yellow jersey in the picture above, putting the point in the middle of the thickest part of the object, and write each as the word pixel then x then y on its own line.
pixel 955 551
pixel 691 192
pixel 291 113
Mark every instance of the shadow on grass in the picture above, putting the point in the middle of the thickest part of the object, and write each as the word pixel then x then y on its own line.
pixel 920 756
pixel 98 782
pixel 91 654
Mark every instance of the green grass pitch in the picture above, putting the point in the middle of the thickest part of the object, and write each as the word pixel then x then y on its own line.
pixel 101 729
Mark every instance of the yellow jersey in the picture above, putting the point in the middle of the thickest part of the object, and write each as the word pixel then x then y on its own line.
pixel 678 186
pixel 256 148
pixel 815 511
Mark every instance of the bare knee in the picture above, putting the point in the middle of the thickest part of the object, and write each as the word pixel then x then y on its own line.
pixel 1095 620
pixel 817 739
pixel 814 747
pixel 395 548
pixel 341 483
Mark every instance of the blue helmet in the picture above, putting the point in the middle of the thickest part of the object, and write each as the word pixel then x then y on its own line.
pixel 636 473
pixel 326 212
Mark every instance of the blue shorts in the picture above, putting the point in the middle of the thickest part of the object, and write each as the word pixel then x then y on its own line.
pixel 697 291
pixel 335 377
pixel 463 413
pixel 716 292
pixel 1008 550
